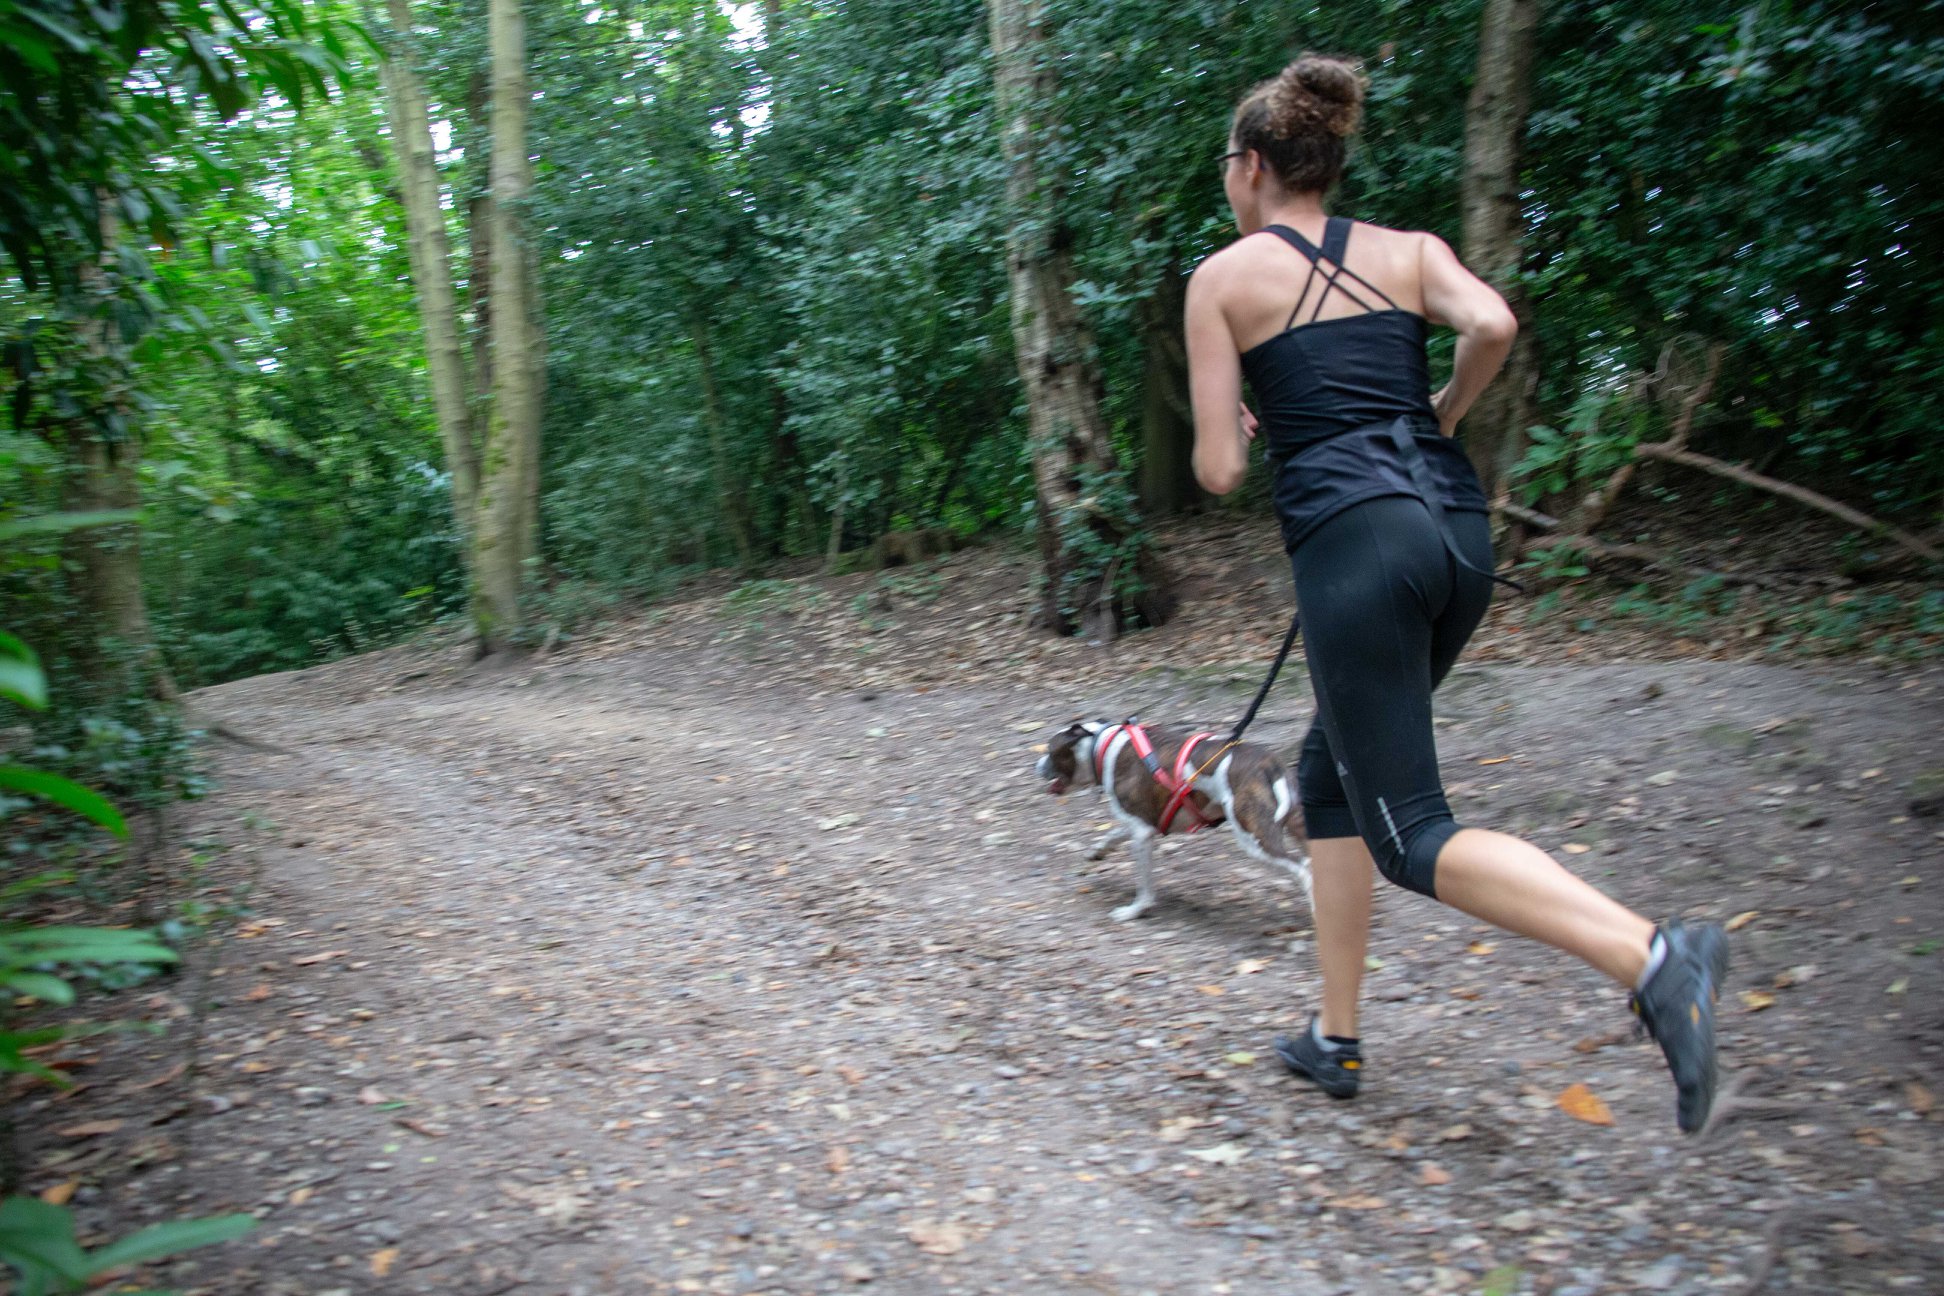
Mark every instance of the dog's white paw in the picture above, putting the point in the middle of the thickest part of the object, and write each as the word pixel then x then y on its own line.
pixel 1129 912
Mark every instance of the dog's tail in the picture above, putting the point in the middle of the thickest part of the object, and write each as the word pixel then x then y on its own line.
pixel 1274 840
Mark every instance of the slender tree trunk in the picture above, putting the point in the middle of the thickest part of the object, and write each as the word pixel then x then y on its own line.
pixel 105 562
pixel 479 263
pixel 431 259
pixel 730 496
pixel 509 459
pixel 1495 119
pixel 1167 421
pixel 1075 471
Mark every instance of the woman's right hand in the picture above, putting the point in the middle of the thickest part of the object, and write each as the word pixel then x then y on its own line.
pixel 1441 405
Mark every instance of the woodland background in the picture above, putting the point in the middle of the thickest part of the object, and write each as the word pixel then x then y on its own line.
pixel 325 325
pixel 769 282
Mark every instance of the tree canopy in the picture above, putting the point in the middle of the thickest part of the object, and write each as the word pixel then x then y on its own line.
pixel 769 252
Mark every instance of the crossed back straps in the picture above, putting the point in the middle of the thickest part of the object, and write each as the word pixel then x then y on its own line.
pixel 1327 262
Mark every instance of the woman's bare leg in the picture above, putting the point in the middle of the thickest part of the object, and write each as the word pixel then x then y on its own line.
pixel 1514 885
pixel 1341 871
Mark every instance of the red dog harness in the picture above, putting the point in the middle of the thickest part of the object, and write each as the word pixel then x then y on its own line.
pixel 1180 785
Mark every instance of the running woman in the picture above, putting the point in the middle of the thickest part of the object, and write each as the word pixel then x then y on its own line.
pixel 1387 529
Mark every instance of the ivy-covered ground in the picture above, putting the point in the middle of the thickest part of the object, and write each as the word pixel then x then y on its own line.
pixel 733 949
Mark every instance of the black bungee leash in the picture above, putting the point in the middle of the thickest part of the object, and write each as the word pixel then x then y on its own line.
pixel 1427 490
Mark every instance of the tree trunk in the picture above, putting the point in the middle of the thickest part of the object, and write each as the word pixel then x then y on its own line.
pixel 479 263
pixel 731 498
pixel 1086 526
pixel 1495 118
pixel 1167 483
pixel 431 260
pixel 114 647
pixel 509 459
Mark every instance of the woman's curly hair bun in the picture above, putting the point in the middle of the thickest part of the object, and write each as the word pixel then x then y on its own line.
pixel 1316 94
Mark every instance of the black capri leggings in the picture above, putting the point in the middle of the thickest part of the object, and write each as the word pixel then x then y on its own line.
pixel 1386 611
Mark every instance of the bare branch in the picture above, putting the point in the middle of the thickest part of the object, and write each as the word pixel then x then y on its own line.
pixel 1672 452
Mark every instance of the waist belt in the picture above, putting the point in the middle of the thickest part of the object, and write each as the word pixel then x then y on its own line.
pixel 1400 436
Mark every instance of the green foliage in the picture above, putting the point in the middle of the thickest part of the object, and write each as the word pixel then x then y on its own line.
pixel 768 240
pixel 1750 179
pixel 37 1240
pixel 96 93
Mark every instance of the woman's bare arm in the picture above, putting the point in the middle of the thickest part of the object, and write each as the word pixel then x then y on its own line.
pixel 1222 425
pixel 1455 296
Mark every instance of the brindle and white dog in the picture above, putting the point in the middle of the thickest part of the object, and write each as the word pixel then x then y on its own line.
pixel 1249 787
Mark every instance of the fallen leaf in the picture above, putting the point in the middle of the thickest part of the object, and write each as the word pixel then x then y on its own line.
pixel 1029 726
pixel 1581 1103
pixel 1176 1128
pixel 1240 1058
pixel 1250 966
pixel 1358 1202
pixel 1220 1154
pixel 164 1078
pixel 1741 920
pixel 1898 986
pixel 850 1073
pixel 937 1237
pixel 1495 760
pixel 259 993
pixel 302 1195
pixel 1214 991
pixel 1796 975
pixel 306 960
pixel 89 1129
pixel 837 821
pixel 1594 1043
pixel 1502 1281
pixel 60 1193
pixel 1433 1175
pixel 1756 1000
pixel 1663 778
pixel 839 1159
pixel 1576 848
pixel 1373 964
pixel 382 1261
pixel 1918 1097
pixel 418 1127
pixel 1480 948
pixel 1455 1133
pixel 372 1096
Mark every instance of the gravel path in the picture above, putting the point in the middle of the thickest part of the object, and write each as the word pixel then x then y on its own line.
pixel 689 966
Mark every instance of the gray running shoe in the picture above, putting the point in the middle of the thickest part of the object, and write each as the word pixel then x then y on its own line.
pixel 1336 1070
pixel 1677 1005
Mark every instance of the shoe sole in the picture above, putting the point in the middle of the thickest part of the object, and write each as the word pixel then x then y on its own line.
pixel 1715 950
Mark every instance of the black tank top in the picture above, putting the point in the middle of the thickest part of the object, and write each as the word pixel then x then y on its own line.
pixel 1345 403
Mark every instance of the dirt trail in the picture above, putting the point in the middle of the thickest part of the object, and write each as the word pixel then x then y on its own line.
pixel 692 968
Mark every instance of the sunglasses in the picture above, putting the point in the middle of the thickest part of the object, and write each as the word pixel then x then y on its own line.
pixel 1221 163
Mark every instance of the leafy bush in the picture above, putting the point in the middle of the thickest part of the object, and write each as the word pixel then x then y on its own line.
pixel 37 1238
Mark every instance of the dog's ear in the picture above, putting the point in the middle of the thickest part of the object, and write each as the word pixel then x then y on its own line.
pixel 1077 730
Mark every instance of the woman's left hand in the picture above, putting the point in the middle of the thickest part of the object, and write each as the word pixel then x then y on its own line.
pixel 1249 424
